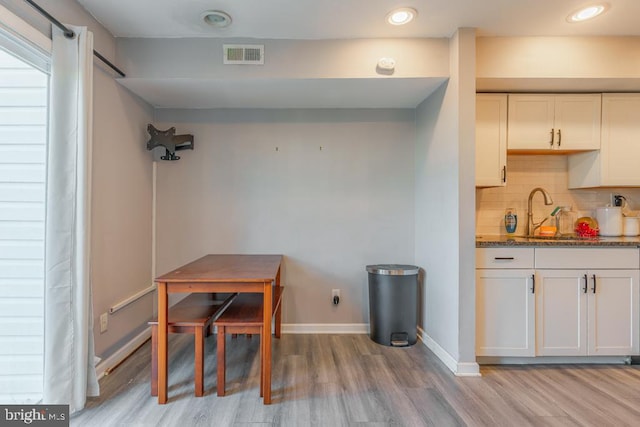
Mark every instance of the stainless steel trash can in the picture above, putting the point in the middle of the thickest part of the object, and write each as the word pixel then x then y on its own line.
pixel 393 304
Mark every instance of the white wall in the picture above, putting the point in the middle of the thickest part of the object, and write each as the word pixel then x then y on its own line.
pixel 121 222
pixel 465 69
pixel 189 73
pixel 568 57
pixel 68 12
pixel 122 187
pixel 558 64
pixel 437 217
pixel 201 58
pixel 444 200
pixel 331 190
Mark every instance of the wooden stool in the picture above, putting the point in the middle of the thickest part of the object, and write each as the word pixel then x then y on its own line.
pixel 244 316
pixel 192 315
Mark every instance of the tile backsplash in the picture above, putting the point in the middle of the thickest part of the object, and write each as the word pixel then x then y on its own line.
pixel 526 172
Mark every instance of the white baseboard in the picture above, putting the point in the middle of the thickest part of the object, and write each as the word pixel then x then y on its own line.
pixel 325 328
pixel 460 369
pixel 468 369
pixel 116 358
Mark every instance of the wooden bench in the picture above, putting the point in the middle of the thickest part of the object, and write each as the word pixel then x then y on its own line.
pixel 192 315
pixel 244 316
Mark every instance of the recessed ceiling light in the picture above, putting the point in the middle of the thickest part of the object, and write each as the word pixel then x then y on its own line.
pixel 588 12
pixel 401 16
pixel 216 18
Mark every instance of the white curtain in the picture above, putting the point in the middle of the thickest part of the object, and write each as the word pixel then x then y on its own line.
pixel 69 370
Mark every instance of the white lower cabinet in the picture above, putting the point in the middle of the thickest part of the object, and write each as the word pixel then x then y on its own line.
pixel 505 312
pixel 587 312
pixel 550 311
pixel 561 313
pixel 505 302
pixel 613 313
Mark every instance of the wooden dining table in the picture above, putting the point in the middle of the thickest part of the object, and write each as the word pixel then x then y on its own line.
pixel 219 273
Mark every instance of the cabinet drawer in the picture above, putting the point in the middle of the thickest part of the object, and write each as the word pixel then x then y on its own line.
pixel 504 258
pixel 588 258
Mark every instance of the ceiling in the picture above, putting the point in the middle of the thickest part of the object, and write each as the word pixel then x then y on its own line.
pixel 336 19
pixel 339 19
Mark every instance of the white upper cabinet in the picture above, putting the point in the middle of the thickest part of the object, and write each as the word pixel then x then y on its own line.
pixel 491 140
pixel 542 123
pixel 531 122
pixel 616 164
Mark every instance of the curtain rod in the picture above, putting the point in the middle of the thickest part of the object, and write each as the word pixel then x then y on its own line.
pixel 69 33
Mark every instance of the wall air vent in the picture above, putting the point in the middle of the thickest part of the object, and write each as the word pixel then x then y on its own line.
pixel 243 54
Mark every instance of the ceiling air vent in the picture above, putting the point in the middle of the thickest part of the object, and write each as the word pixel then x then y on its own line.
pixel 243 54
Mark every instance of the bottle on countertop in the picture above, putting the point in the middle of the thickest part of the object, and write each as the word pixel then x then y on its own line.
pixel 510 220
pixel 565 221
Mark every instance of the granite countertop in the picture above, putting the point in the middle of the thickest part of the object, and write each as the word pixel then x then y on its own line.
pixel 497 241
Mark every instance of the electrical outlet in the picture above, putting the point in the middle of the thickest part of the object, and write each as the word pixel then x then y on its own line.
pixel 104 322
pixel 335 296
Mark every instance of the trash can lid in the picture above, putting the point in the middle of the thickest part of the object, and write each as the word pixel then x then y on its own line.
pixel 393 269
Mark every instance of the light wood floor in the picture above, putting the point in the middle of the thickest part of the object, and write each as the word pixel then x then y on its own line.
pixel 340 380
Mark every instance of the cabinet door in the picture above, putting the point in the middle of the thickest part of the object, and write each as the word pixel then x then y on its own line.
pixel 620 149
pixel 616 164
pixel 577 121
pixel 561 313
pixel 530 122
pixel 613 313
pixel 505 313
pixel 491 140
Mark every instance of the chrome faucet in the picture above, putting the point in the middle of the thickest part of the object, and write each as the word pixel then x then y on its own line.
pixel 532 226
